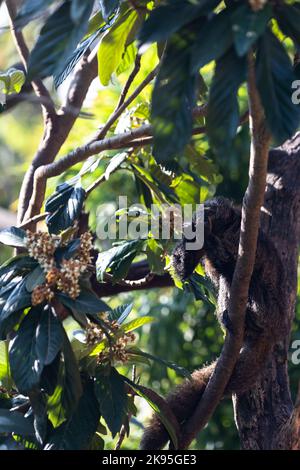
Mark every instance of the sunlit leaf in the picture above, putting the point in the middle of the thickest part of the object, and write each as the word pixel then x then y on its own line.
pixel 112 45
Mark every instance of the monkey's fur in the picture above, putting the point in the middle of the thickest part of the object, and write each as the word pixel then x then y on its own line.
pixel 264 323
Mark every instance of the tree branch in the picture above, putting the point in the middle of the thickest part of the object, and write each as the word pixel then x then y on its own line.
pixel 121 108
pixel 55 135
pixel 121 141
pixel 37 85
pixel 135 71
pixel 138 278
pixel 252 202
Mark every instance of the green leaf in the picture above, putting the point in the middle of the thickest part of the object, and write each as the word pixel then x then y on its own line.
pixel 77 432
pixel 5 375
pixel 18 299
pixel 13 236
pixel 87 302
pixel 118 259
pixel 108 7
pixel 274 77
pixel 38 403
pixel 114 163
pixel 248 25
pixel 30 10
pixel 58 39
pixel 111 395
pixel 70 381
pixel 15 266
pixel 137 323
pixel 35 278
pixel 25 366
pixel 65 206
pixel 120 313
pixel 171 365
pixel 161 408
pixel 288 17
pixel 78 10
pixel 49 337
pixel 201 288
pixel 13 421
pixel 223 110
pixel 50 376
pixel 112 45
pixel 213 40
pixel 173 100
pixel 168 19
pixel 13 80
pixel 128 59
pixel 155 257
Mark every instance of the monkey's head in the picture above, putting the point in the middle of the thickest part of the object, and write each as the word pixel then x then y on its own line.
pixel 219 215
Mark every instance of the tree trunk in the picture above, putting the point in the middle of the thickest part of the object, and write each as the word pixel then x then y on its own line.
pixel 265 416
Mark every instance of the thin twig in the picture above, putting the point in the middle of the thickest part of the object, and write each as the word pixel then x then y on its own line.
pixel 119 110
pixel 135 71
pixel 33 220
pixel 38 86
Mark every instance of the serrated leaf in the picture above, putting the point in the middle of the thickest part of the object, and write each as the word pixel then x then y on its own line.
pixel 58 38
pixel 118 259
pixel 14 422
pixel 77 432
pixel 111 395
pixel 274 78
pixel 248 25
pixel 137 323
pixel 168 19
pixel 223 110
pixel 113 44
pixel 13 236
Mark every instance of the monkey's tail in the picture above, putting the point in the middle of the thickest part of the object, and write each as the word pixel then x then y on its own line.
pixel 184 398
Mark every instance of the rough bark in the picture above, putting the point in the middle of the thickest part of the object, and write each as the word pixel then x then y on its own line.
pixel 264 415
